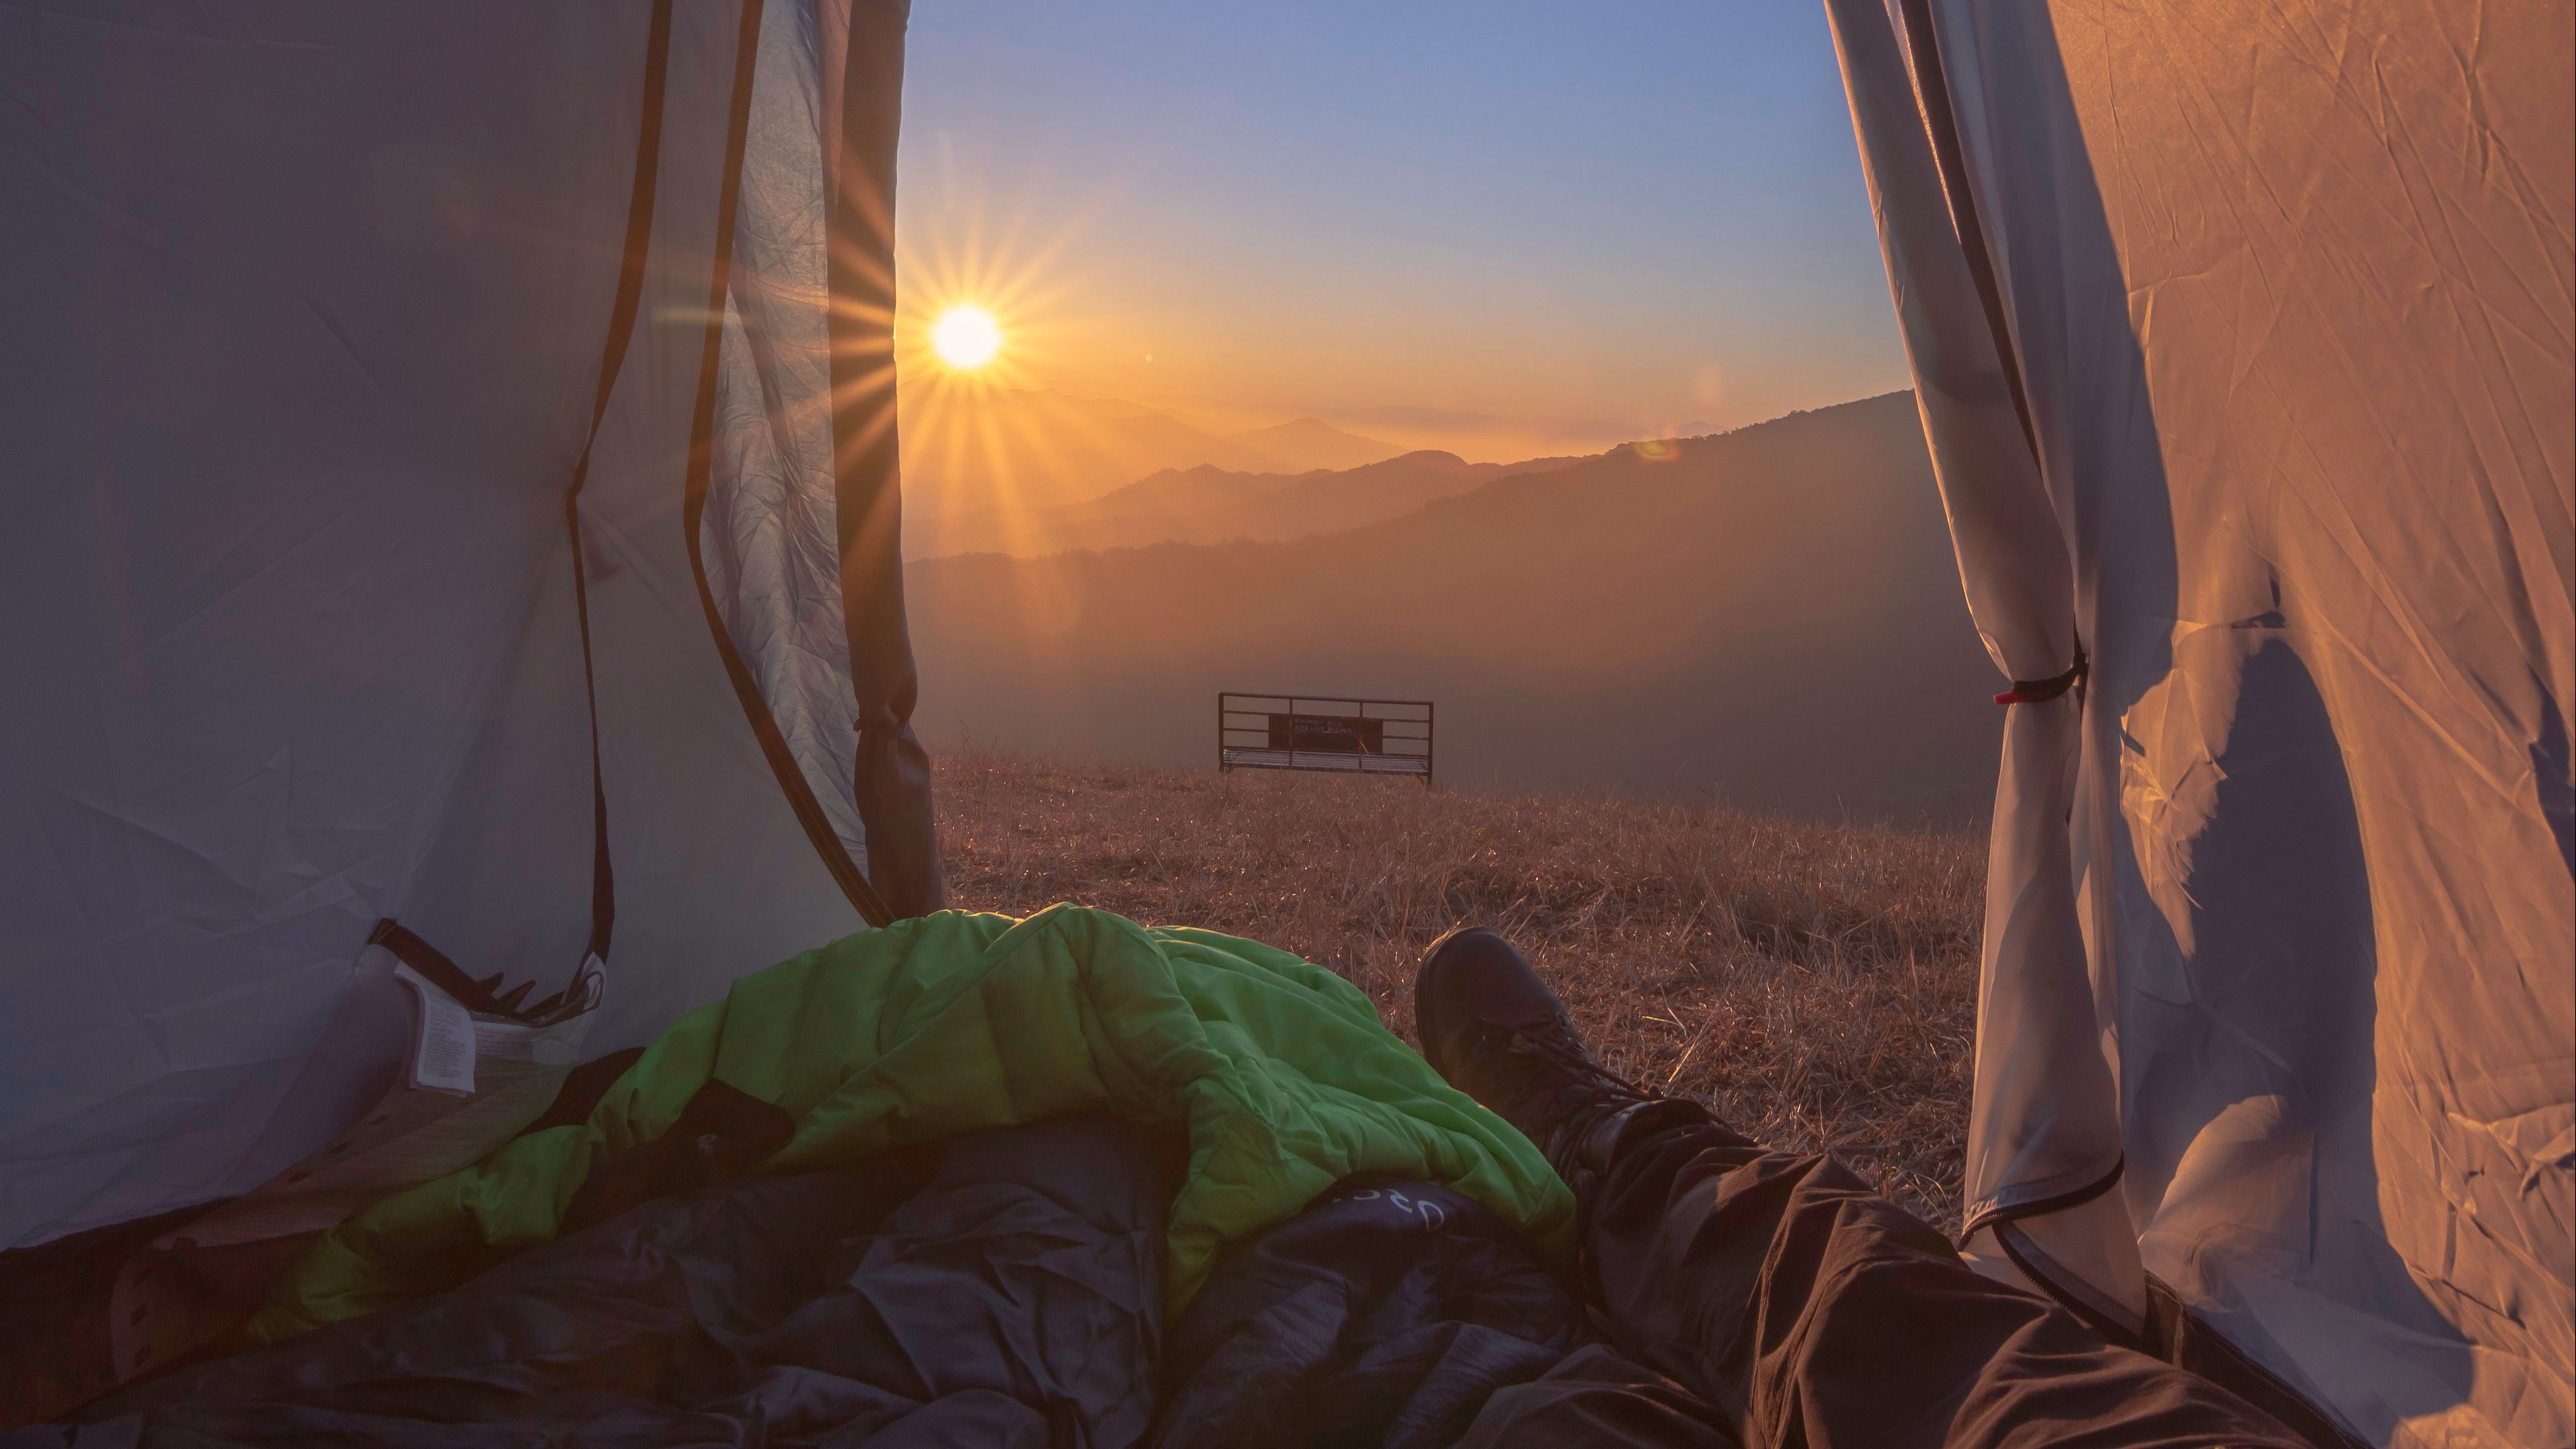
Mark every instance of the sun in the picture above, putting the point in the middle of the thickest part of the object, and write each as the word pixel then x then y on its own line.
pixel 966 337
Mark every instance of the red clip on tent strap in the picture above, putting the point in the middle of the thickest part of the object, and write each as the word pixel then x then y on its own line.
pixel 2033 691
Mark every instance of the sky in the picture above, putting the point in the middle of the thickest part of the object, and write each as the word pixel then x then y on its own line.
pixel 1648 212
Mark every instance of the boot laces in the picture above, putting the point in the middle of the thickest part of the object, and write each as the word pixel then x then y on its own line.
pixel 1573 1078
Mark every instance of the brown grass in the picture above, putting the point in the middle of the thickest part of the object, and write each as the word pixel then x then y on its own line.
pixel 1815 983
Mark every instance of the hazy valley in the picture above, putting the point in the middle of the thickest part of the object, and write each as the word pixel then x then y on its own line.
pixel 1769 617
pixel 1208 504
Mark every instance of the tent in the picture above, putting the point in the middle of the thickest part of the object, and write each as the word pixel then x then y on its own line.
pixel 451 482
pixel 452 540
pixel 2242 339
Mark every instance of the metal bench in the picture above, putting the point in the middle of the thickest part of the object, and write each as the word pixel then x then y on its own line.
pixel 1306 732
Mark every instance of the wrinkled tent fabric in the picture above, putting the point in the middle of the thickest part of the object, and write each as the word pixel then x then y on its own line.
pixel 1277 1073
pixel 2283 300
pixel 2044 1144
pixel 305 319
pixel 306 315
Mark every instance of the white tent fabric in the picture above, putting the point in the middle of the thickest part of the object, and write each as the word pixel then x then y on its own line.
pixel 2282 923
pixel 2244 343
pixel 307 312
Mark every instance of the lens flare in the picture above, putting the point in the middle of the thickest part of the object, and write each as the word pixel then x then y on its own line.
pixel 966 337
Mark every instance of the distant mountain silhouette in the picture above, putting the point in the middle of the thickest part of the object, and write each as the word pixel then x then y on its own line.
pixel 1308 443
pixel 1207 504
pixel 1771 615
pixel 1487 435
pixel 968 446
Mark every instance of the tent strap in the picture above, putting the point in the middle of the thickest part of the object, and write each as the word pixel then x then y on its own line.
pixel 621 331
pixel 2038 691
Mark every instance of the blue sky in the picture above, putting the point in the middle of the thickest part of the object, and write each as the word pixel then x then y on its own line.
pixel 1639 211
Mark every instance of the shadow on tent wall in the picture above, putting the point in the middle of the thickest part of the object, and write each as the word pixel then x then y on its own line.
pixel 2294 938
pixel 2283 985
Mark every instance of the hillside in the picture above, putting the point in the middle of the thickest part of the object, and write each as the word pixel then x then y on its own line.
pixel 969 445
pixel 1770 616
pixel 1207 504
pixel 1815 983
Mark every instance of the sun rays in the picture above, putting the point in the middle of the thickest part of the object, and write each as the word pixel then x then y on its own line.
pixel 966 337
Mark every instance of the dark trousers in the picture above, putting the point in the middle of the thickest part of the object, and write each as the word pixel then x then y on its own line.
pixel 1809 1311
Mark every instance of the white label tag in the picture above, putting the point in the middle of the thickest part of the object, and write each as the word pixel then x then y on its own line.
pixel 442 1055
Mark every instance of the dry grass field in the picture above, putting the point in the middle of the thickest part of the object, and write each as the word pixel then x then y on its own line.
pixel 1814 982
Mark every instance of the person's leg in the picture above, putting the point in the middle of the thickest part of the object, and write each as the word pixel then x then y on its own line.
pixel 1809 1310
pixel 1818 1313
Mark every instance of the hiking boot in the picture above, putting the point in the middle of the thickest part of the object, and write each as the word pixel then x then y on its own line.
pixel 1492 1028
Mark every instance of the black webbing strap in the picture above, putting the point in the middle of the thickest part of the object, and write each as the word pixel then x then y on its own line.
pixel 621 331
pixel 484 997
pixel 434 967
pixel 2036 691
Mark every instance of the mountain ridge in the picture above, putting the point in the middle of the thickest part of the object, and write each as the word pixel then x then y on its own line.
pixel 969 445
pixel 1771 615
pixel 1208 504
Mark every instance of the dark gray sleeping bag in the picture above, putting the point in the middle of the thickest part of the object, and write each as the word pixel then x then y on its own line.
pixel 1001 1289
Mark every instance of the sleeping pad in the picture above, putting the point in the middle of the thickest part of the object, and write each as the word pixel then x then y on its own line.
pixel 1003 1287
pixel 1277 1075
